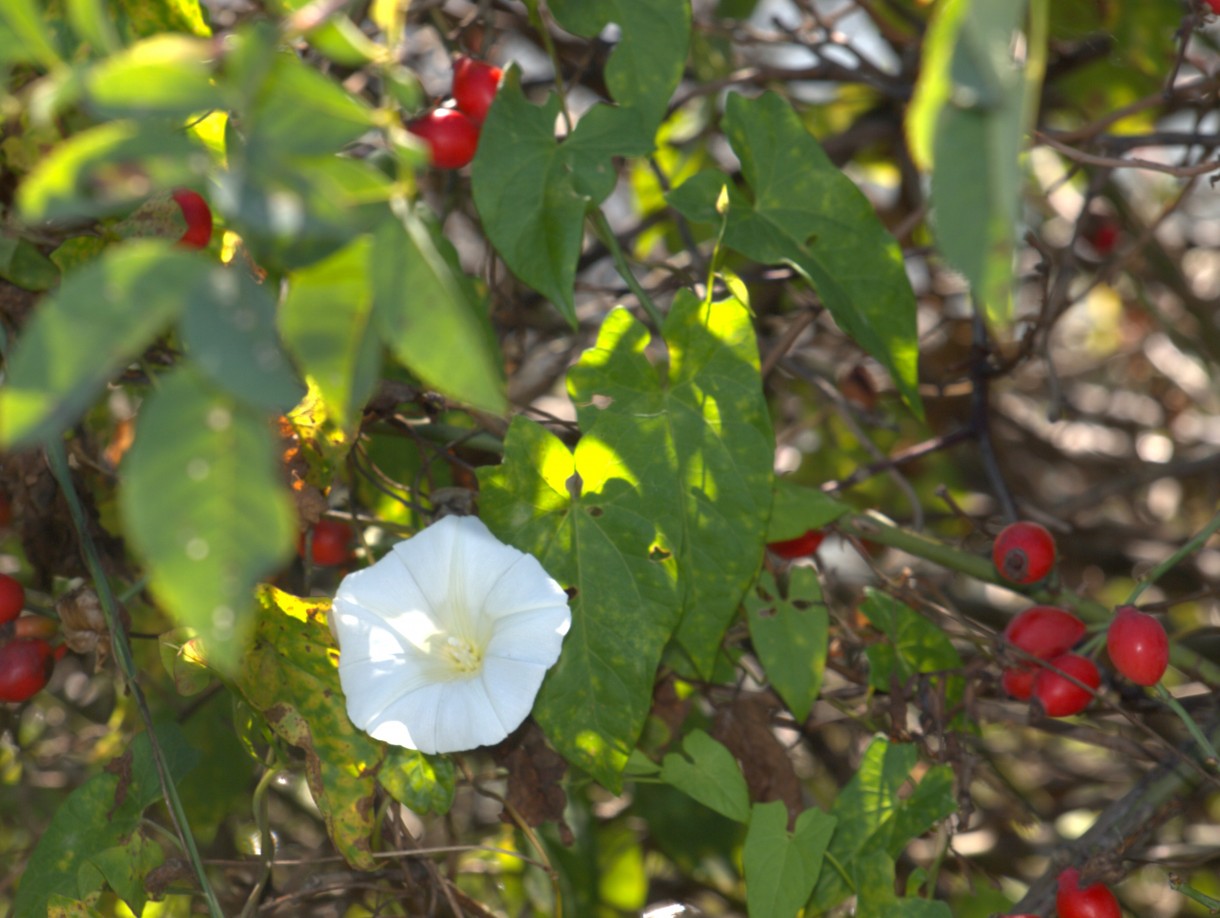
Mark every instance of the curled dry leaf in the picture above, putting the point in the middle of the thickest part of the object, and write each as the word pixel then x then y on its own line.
pixel 83 624
pixel 535 779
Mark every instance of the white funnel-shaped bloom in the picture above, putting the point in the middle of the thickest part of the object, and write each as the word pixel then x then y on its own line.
pixel 443 643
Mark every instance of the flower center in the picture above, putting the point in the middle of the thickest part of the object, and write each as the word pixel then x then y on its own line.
pixel 461 654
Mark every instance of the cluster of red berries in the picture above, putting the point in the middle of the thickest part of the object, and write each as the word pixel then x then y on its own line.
pixel 26 656
pixel 1071 901
pixel 452 132
pixel 330 545
pixel 1062 682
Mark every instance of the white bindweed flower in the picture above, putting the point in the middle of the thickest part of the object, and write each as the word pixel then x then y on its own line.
pixel 443 643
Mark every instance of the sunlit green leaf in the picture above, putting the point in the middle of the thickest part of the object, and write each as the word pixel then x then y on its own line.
pixel 100 317
pixel 108 169
pixel 427 318
pixel 206 508
pixel 790 633
pixel 803 211
pixel 142 18
pixel 24 36
pixel 326 322
pixel 966 124
pixel 699 443
pixel 582 516
pixel 163 75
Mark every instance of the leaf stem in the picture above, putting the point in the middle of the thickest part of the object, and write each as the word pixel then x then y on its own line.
pixel 1211 757
pixel 602 226
pixel 58 461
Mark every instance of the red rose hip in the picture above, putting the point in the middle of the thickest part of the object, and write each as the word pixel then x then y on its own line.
pixel 1094 901
pixel 1044 631
pixel 1023 553
pixel 452 137
pixel 12 598
pixel 25 669
pixel 331 544
pixel 198 219
pixel 799 547
pixel 1059 695
pixel 1138 645
pixel 474 87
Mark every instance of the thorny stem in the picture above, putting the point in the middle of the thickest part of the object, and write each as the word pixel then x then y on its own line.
pixel 58 461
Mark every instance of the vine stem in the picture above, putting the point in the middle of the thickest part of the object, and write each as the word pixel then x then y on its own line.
pixel 606 234
pixel 58 460
pixel 1173 560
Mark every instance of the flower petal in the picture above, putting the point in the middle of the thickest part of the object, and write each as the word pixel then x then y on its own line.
pixel 521 588
pixel 456 561
pixel 512 686
pixel 531 637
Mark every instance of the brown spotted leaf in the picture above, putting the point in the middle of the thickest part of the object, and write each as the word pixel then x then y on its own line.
pixel 744 727
pixel 291 677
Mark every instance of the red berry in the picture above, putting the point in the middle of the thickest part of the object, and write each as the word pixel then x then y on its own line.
pixel 1138 645
pixel 1104 236
pixel 12 598
pixel 474 87
pixel 1215 5
pixel 198 219
pixel 1060 696
pixel 331 543
pixel 451 136
pixel 1023 552
pixel 25 668
pixel 1018 682
pixel 1044 631
pixel 799 547
pixel 1094 901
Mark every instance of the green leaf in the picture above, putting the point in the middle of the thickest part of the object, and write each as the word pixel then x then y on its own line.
pixel 101 317
pixel 23 265
pixel 297 211
pixel 291 677
pixel 326 322
pixel 140 18
pixel 700 443
pixel 876 815
pixel 229 331
pixel 422 783
pixel 287 108
pixel 108 169
pixel 803 211
pixel 913 645
pixel 427 318
pixel 967 123
pixel 532 192
pixel 91 22
pixel 790 634
pixel 582 516
pixel 206 508
pixel 797 509
pixel 164 75
pixel 24 37
pixel 101 814
pixel 781 868
pixel 647 61
pixel 707 772
pixel 873 874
